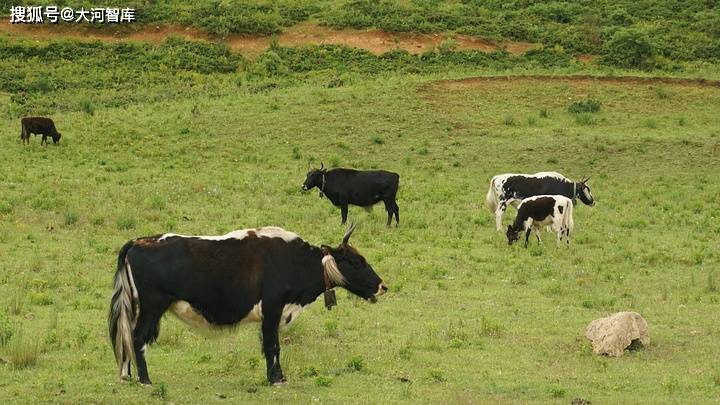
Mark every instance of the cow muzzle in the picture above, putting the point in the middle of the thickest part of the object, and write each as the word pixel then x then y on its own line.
pixel 382 289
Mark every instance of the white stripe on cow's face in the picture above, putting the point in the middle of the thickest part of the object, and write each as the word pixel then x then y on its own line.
pixel 266 232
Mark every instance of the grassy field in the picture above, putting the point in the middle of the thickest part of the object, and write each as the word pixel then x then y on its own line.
pixel 467 320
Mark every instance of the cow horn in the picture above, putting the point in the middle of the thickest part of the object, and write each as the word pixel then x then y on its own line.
pixel 585 179
pixel 349 232
pixel 321 165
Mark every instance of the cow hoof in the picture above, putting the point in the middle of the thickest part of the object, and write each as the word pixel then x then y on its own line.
pixel 279 383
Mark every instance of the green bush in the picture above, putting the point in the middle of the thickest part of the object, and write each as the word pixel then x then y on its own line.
pixel 548 57
pixel 629 48
pixel 587 105
pixel 6 329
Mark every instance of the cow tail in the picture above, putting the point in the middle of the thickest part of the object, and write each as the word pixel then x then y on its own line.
pixel 124 312
pixel 491 197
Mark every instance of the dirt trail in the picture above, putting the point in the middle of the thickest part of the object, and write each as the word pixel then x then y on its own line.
pixel 636 80
pixel 302 34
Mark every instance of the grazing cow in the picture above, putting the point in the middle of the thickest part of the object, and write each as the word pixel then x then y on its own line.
pixel 510 189
pixel 363 188
pixel 38 125
pixel 540 210
pixel 215 282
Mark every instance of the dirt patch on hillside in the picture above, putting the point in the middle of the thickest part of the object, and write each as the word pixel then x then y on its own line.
pixel 637 80
pixel 374 41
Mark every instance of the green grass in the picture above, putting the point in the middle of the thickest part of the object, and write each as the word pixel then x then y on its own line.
pixel 467 318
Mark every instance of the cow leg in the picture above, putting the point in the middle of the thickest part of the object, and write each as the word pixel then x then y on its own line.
pixel 559 231
pixel 397 213
pixel 499 214
pixel 146 331
pixel 390 208
pixel 527 236
pixel 343 213
pixel 271 346
pixel 538 231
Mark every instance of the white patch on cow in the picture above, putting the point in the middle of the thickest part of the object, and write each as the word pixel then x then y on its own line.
pixel 290 313
pixel 549 174
pixel 192 317
pixel 275 232
pixel 266 232
pixel 587 194
pixel 331 269
pixel 255 314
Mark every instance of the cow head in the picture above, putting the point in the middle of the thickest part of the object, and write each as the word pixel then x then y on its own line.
pixel 512 235
pixel 314 178
pixel 355 273
pixel 583 192
pixel 56 137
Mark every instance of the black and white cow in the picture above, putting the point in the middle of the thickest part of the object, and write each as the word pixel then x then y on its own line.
pixel 510 189
pixel 364 188
pixel 535 212
pixel 215 282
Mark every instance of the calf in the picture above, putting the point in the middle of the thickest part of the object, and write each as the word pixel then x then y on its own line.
pixel 364 188
pixel 264 275
pixel 538 211
pixel 38 125
pixel 510 189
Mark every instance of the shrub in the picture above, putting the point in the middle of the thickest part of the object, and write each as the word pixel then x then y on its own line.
pixel 548 57
pixel 23 352
pixel 584 118
pixel 323 381
pixel 629 48
pixel 88 107
pixel 6 329
pixel 71 218
pixel 587 105
pixel 356 363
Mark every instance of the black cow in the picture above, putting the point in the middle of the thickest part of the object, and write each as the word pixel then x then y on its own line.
pixel 535 212
pixel 214 282
pixel 363 188
pixel 510 189
pixel 38 125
